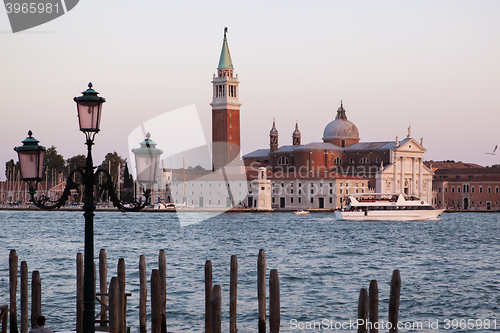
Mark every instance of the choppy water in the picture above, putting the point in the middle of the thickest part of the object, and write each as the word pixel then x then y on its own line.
pixel 449 268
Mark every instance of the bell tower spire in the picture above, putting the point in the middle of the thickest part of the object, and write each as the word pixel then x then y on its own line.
pixel 225 111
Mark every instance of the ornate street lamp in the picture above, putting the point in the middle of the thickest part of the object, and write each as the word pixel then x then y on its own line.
pixel 89 107
pixel 146 162
pixel 31 159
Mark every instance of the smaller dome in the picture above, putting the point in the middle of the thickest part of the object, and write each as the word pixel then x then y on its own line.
pixel 273 131
pixel 296 133
pixel 340 128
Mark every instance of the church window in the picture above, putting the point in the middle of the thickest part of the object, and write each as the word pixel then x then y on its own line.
pixel 291 200
pixel 300 199
pixel 300 191
pixel 283 160
pixel 364 160
pixel 337 161
pixel 312 200
pixel 342 143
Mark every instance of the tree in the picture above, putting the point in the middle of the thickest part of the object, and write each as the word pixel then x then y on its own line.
pixel 11 170
pixel 77 161
pixel 111 163
pixel 128 180
pixel 53 162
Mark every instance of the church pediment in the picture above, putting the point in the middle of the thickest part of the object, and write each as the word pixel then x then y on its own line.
pixel 410 145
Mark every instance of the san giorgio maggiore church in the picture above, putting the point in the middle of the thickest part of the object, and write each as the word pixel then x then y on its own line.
pixel 314 175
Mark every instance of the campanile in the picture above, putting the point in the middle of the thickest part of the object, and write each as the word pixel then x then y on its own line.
pixel 225 111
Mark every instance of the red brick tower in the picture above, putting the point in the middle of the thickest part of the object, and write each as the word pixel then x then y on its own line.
pixel 225 111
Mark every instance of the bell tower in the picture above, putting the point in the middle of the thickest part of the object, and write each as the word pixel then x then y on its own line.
pixel 225 111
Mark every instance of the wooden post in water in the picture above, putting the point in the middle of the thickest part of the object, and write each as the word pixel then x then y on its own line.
pixel 4 309
pixel 122 307
pixel 261 290
pixel 394 301
pixel 162 270
pixel 363 306
pixel 208 296
pixel 79 292
pixel 24 298
pixel 114 305
pixel 13 266
pixel 36 297
pixel 233 292
pixel 155 302
pixel 216 309
pixel 103 283
pixel 143 294
pixel 373 307
pixel 274 302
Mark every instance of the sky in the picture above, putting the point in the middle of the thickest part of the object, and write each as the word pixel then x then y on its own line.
pixel 432 65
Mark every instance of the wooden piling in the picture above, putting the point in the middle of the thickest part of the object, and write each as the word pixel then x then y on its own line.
pixel 114 306
pixel 162 270
pixel 274 302
pixel 24 298
pixel 36 297
pixel 122 306
pixel 208 296
pixel 155 302
pixel 13 267
pixel 216 309
pixel 143 294
pixel 103 284
pixel 79 292
pixel 261 290
pixel 394 301
pixel 373 306
pixel 233 292
pixel 363 306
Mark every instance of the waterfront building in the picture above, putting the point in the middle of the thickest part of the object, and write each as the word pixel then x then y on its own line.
pixel 386 166
pixel 473 187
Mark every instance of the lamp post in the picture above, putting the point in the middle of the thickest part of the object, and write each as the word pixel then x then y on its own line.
pixel 89 107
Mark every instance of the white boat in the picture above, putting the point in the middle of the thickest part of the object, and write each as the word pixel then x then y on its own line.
pixel 386 207
pixel 301 212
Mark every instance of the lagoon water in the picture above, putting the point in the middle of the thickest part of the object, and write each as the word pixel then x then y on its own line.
pixel 450 269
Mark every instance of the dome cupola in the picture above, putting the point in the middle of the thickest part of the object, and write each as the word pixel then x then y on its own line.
pixel 341 132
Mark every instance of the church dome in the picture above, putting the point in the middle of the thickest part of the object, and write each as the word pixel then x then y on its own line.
pixel 340 128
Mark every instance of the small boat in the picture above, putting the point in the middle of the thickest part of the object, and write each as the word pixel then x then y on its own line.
pixel 386 207
pixel 301 212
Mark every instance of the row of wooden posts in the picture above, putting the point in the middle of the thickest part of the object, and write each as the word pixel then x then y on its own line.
pixel 113 301
pixel 368 306
pixel 36 296
pixel 213 297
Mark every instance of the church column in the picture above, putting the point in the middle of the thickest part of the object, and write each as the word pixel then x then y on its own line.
pixel 420 177
pixel 395 185
pixel 413 176
pixel 402 181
